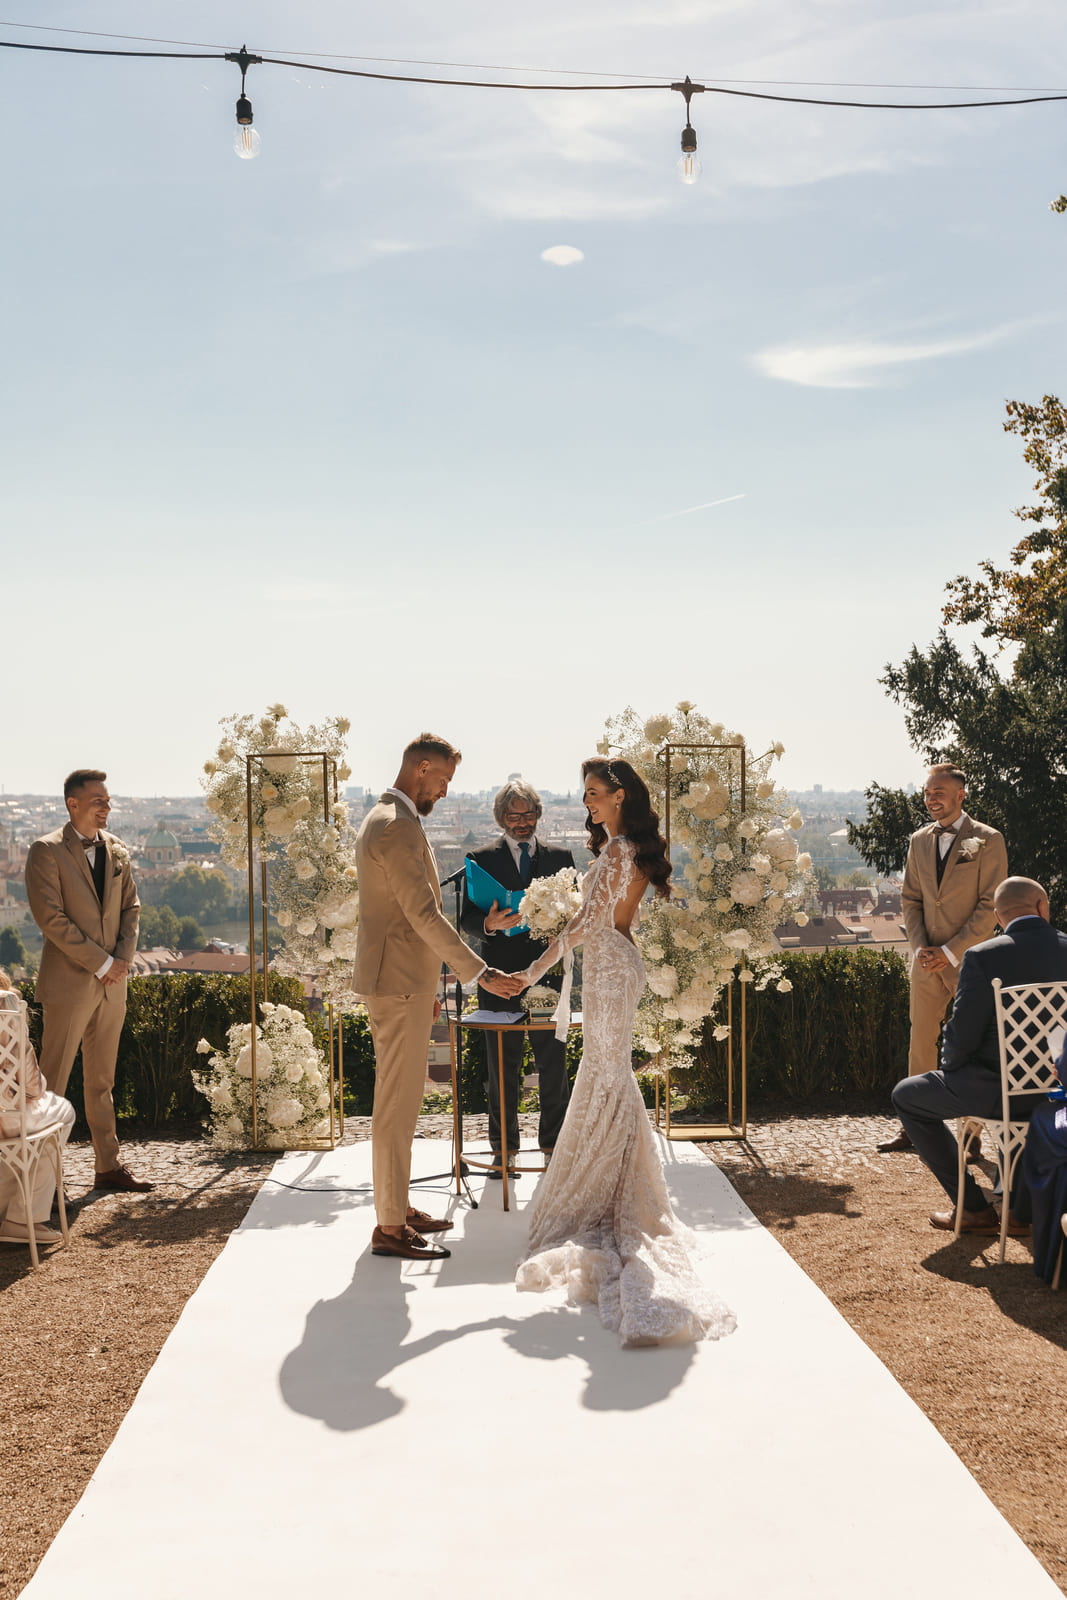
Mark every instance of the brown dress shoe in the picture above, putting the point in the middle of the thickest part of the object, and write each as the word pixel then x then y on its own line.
pixel 985 1221
pixel 122 1178
pixel 410 1245
pixel 900 1142
pixel 424 1224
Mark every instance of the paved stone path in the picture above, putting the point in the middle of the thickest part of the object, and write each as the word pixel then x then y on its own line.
pixel 183 1163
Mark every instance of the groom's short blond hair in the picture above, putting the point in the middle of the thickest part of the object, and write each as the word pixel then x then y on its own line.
pixel 425 746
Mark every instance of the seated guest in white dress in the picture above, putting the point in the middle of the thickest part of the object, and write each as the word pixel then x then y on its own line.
pixel 42 1108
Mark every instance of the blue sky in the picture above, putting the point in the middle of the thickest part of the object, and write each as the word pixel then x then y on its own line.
pixel 326 427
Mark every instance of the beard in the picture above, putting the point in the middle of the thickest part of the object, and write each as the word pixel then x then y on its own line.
pixel 424 804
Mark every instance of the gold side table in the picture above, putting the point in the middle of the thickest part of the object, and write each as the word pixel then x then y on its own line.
pixel 505 1166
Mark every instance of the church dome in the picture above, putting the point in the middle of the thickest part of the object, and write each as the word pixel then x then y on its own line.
pixel 161 838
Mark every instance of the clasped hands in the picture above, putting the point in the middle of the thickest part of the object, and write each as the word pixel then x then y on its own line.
pixel 932 958
pixel 504 984
pixel 117 971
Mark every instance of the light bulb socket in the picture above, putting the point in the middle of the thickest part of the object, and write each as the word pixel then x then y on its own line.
pixel 689 139
pixel 244 112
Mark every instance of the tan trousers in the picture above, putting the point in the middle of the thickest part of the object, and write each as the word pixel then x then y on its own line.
pixel 95 1024
pixel 932 993
pixel 400 1026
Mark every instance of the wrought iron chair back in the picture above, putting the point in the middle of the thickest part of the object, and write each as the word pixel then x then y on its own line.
pixel 1026 1015
pixel 20 1151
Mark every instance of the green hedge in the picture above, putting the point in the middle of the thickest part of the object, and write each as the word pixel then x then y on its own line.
pixel 165 1017
pixel 842 1030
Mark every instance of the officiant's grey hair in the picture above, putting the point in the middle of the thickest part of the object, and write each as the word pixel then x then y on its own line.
pixel 516 792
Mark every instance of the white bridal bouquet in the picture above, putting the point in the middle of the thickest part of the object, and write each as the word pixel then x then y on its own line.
pixel 292 1083
pixel 737 873
pixel 541 1000
pixel 550 903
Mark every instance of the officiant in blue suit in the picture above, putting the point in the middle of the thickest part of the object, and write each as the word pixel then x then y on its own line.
pixel 516 858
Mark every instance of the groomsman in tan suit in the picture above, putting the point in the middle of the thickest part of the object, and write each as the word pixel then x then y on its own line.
pixel 84 900
pixel 403 938
pixel 953 868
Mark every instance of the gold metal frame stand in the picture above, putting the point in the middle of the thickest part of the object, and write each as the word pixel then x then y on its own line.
pixel 335 1047
pixel 730 1128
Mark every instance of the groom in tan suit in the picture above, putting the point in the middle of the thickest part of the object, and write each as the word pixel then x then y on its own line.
pixel 403 938
pixel 84 900
pixel 953 868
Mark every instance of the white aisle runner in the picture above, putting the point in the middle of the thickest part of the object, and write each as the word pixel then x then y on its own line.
pixel 323 1422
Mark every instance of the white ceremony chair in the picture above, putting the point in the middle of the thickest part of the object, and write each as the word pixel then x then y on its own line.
pixel 1026 1014
pixel 22 1152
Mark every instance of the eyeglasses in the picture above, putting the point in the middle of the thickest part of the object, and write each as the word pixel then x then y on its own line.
pixel 515 817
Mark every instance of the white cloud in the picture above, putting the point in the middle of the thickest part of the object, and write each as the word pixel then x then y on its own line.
pixel 562 255
pixel 862 363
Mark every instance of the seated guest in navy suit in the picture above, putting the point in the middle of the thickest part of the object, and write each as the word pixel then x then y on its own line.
pixel 1029 950
pixel 1043 1190
pixel 517 857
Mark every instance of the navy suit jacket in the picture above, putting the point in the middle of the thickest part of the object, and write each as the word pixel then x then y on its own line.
pixel 1032 951
pixel 500 951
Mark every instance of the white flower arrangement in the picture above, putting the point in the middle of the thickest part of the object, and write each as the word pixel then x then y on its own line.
pixel 969 848
pixel 540 999
pixel 292 1083
pixel 306 839
pixel 550 903
pixel 736 873
pixel 119 853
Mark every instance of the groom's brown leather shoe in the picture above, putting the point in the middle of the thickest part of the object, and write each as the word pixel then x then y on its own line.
pixel 424 1224
pixel 410 1245
pixel 900 1142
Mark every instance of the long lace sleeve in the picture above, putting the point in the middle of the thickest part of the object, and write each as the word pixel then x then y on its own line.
pixel 610 878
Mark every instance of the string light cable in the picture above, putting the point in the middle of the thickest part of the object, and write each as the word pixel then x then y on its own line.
pixel 247 141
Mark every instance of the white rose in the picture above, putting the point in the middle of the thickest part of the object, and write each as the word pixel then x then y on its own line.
pixel 717 730
pixel 344 772
pixel 322 1101
pixel 654 952
pixel 277 711
pixel 760 865
pixel 284 919
pixel 697 791
pixel 748 829
pixel 305 869
pixel 210 768
pixel 724 904
pixel 268 792
pixel 723 852
pixel 784 986
pixel 284 1113
pixel 746 975
pixel 779 749
pixel 235 1126
pixel 775 902
pixel 294 1072
pixel 663 981
pixel 764 789
pixel 722 822
pixel 306 926
pixel 722 1031
pixel 657 728
pixel 803 862
pixel 781 848
pixel 796 820
pixel 203 1048
pixel 738 939
pixel 779 881
pixel 801 919
pixel 746 889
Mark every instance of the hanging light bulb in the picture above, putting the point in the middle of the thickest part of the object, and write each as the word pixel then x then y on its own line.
pixel 246 140
pixel 689 164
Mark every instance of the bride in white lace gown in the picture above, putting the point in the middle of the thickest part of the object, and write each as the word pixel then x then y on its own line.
pixel 601 1224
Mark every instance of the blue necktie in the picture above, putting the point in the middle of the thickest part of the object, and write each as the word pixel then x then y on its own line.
pixel 524 863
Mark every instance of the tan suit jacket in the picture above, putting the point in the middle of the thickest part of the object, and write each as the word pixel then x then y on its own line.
pixel 79 931
pixel 403 935
pixel 958 912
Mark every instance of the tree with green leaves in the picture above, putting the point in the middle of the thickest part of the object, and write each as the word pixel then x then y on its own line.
pixel 200 893
pixel 13 952
pixel 1006 732
pixel 1012 603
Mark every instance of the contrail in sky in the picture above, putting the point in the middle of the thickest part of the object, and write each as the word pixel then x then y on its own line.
pixel 705 507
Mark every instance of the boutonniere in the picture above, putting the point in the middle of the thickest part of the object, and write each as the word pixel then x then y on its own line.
pixel 969 848
pixel 119 855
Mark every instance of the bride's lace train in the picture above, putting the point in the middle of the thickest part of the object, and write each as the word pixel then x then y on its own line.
pixel 601 1224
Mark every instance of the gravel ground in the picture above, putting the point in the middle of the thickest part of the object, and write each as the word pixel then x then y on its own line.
pixel 978 1346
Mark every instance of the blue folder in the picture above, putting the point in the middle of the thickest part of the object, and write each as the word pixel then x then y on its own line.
pixel 483 889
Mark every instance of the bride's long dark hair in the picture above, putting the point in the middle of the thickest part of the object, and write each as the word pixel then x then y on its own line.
pixel 637 821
